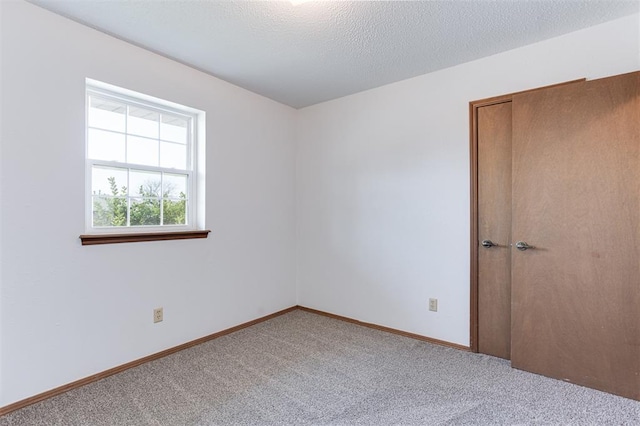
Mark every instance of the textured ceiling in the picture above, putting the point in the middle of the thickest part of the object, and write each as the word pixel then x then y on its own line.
pixel 309 53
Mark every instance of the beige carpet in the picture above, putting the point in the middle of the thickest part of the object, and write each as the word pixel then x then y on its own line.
pixel 305 369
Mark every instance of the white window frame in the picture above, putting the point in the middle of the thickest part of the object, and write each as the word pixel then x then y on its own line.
pixel 194 171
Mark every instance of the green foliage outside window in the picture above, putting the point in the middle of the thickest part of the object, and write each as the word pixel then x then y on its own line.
pixel 111 210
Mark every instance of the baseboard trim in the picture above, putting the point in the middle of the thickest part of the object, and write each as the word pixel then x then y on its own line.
pixel 115 370
pixel 388 329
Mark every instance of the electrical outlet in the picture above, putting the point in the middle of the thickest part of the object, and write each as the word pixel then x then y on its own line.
pixel 433 305
pixel 157 315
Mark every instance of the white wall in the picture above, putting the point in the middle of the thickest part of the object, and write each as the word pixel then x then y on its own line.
pixel 383 182
pixel 69 311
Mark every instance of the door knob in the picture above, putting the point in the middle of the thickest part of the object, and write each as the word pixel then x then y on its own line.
pixel 522 246
pixel 488 244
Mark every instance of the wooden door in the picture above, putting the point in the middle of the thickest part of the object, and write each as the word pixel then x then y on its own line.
pixel 494 224
pixel 576 198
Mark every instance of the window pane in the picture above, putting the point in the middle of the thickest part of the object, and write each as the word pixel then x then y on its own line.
pixel 174 128
pixel 140 157
pixel 109 211
pixel 109 181
pixel 145 211
pixel 106 146
pixel 173 155
pixel 174 212
pixel 106 114
pixel 145 184
pixel 142 151
pixel 175 186
pixel 143 122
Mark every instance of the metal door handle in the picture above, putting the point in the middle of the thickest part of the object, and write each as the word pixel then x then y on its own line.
pixel 522 246
pixel 488 244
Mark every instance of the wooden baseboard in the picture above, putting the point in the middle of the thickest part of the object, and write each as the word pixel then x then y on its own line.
pixel 115 370
pixel 389 330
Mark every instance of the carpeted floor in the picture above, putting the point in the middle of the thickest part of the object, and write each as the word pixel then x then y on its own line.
pixel 306 369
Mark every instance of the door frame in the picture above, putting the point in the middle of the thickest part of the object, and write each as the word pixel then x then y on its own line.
pixel 473 166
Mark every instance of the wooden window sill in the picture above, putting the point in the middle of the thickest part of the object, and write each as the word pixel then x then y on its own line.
pixel 93 239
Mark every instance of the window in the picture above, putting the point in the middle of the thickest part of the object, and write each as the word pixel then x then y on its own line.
pixel 141 156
